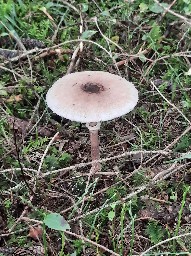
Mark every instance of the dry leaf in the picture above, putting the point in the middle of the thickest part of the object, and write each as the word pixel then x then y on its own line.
pixel 35 232
pixel 15 98
pixel 21 125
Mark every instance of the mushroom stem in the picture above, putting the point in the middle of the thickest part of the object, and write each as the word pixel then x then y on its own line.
pixel 94 139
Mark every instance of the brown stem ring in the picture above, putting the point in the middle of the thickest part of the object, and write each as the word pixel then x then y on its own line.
pixel 94 139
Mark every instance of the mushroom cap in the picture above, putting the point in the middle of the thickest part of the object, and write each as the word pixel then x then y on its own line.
pixel 91 96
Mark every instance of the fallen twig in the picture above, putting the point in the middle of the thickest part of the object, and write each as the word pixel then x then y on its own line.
pixel 173 13
pixel 163 242
pixel 132 194
pixel 125 154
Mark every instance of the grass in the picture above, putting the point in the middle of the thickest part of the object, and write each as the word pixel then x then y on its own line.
pixel 124 211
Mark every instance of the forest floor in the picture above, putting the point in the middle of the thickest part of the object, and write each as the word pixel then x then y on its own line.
pixel 139 204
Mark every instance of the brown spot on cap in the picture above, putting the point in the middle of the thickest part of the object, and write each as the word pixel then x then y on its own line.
pixel 92 88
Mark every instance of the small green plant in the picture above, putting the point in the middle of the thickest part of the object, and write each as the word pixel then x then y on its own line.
pixel 3 92
pixel 132 223
pixel 139 178
pixel 54 161
pixel 155 232
pixel 153 37
pixel 34 145
pixel 9 18
pixel 184 144
pixel 185 192
pixel 7 204
pixel 111 214
pixel 57 222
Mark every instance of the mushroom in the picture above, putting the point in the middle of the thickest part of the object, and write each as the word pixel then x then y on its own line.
pixel 92 97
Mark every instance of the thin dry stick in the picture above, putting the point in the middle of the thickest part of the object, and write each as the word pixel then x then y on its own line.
pixel 73 60
pixel 163 242
pixel 19 219
pixel 168 8
pixel 161 174
pixel 45 153
pixel 168 173
pixel 34 188
pixel 13 72
pixel 179 54
pixel 105 37
pixel 91 242
pixel 33 115
pixel 125 154
pixel 132 194
pixel 78 236
pixel 141 138
pixel 109 41
pixel 56 46
pixel 170 145
pixel 98 174
pixel 97 5
pixel 81 43
pixel 22 55
pixel 18 169
pixel 67 169
pixel 15 232
pixel 171 104
pixel 178 138
pixel 35 125
pixel 173 13
pixel 40 51
pixel 22 47
pixel 70 5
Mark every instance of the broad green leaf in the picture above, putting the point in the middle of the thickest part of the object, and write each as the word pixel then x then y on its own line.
pixel 144 37
pixel 105 13
pixel 143 7
pixel 88 33
pixel 186 156
pixel 142 57
pixel 4 34
pixel 188 73
pixel 186 103
pixel 111 215
pixel 43 9
pixel 84 7
pixel 114 21
pixel 12 21
pixel 21 3
pixel 113 205
pixel 3 92
pixel 187 10
pixel 56 221
pixel 157 8
pixel 155 32
pixel 49 5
